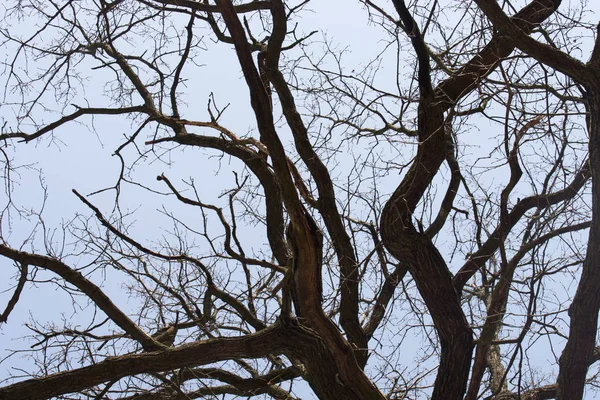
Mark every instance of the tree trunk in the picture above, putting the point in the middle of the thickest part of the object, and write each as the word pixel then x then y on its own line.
pixel 578 352
pixel 426 264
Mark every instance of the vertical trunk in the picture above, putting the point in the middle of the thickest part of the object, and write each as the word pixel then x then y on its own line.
pixel 434 283
pixel 332 369
pixel 426 264
pixel 328 367
pixel 577 355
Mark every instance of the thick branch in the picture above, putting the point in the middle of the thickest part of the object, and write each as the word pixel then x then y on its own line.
pixel 88 288
pixel 546 54
pixel 331 216
pixel 465 79
pixel 583 311
pixel 414 33
pixel 268 341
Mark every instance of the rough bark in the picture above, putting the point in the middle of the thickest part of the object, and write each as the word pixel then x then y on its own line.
pixel 579 350
pixel 433 279
pixel 337 363
pixel 426 264
pixel 583 311
pixel 268 341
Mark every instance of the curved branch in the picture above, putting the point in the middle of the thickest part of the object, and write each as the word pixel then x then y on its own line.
pixel 465 79
pixel 260 168
pixel 277 35
pixel 546 54
pixel 326 204
pixel 27 137
pixel 448 200
pixel 411 28
pixel 487 250
pixel 87 287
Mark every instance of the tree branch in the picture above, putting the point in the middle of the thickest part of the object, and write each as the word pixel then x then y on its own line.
pixel 268 341
pixel 87 287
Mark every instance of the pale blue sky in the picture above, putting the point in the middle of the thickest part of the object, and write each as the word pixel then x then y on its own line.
pixel 82 159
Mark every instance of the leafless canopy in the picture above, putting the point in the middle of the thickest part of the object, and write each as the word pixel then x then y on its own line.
pixel 407 212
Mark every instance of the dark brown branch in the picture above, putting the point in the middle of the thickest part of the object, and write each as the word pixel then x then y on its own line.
pixel 254 5
pixel 499 47
pixel 260 168
pixel 583 311
pixel 261 105
pixel 71 117
pixel 540 393
pixel 328 209
pixel 180 65
pixel 595 57
pixel 412 30
pixel 383 299
pixel 277 35
pixel 451 192
pixel 546 54
pixel 417 251
pixel 307 263
pixel 248 385
pixel 87 287
pixel 16 294
pixel 127 69
pixel 268 341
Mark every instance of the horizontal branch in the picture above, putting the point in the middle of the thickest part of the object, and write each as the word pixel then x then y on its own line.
pixel 27 137
pixel 197 6
pixel 236 385
pixel 255 345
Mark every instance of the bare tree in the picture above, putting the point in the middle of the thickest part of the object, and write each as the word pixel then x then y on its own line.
pixel 419 223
